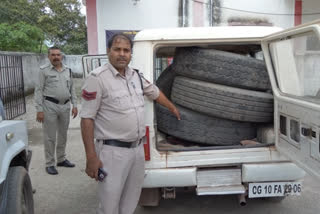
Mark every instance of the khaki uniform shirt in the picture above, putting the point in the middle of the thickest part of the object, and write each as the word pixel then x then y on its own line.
pixel 53 83
pixel 116 103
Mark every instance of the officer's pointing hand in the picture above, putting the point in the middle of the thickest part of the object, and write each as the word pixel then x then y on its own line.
pixel 176 112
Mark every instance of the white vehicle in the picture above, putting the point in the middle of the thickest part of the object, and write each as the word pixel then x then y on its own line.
pixel 16 194
pixel 259 166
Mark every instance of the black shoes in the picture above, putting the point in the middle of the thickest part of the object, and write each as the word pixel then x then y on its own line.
pixel 51 170
pixel 66 163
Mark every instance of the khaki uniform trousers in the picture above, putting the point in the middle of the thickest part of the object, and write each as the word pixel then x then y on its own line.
pixel 55 125
pixel 120 191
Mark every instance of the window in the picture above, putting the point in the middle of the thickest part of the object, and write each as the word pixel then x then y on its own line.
pixel 297 65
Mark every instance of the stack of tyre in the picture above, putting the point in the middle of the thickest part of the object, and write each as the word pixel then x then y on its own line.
pixel 222 97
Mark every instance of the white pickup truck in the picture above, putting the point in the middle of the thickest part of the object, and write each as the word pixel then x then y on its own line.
pixel 248 98
pixel 16 194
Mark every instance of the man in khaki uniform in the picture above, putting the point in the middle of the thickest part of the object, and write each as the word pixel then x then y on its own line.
pixel 53 95
pixel 113 113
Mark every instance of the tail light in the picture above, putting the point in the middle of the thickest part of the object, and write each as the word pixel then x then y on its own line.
pixel 146 145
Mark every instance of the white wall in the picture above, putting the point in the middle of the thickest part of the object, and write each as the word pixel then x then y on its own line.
pixel 31 63
pixel 310 6
pixel 260 6
pixel 124 15
pixel 198 10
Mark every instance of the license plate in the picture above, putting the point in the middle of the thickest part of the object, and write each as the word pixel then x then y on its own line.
pixel 274 189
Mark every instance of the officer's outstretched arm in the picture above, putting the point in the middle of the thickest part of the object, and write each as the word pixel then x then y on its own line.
pixel 163 100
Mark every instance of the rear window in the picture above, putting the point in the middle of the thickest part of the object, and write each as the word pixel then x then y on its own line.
pixel 296 62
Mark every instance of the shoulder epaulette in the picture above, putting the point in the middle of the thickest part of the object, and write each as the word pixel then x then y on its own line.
pixel 66 67
pixel 97 71
pixel 44 66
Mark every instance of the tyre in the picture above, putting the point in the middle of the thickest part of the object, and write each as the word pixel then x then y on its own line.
pixel 200 128
pixel 20 195
pixel 223 101
pixel 165 80
pixel 222 67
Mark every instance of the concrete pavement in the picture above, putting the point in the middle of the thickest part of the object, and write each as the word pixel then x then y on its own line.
pixel 69 192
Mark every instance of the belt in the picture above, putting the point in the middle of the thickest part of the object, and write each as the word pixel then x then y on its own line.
pixel 119 143
pixel 54 100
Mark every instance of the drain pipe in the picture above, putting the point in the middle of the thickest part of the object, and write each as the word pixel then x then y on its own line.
pixel 242 200
pixel 183 13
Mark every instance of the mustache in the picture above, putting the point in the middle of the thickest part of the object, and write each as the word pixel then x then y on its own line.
pixel 122 58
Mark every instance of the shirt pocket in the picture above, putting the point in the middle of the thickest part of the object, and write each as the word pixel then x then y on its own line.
pixel 120 100
pixel 52 80
pixel 138 92
pixel 140 97
pixel 67 80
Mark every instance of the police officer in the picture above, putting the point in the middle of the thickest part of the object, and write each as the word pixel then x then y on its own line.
pixel 53 96
pixel 113 113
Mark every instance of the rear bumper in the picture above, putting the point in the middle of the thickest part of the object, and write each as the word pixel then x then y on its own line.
pixel 187 176
pixel 271 172
pixel 171 177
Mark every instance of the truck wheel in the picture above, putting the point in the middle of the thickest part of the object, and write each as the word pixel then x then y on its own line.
pixel 222 101
pixel 201 128
pixel 221 67
pixel 20 196
pixel 165 80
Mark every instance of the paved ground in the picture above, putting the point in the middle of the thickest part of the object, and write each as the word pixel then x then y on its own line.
pixel 72 192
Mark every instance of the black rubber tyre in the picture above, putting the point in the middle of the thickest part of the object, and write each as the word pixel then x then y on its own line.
pixel 223 101
pixel 20 195
pixel 201 128
pixel 165 80
pixel 222 67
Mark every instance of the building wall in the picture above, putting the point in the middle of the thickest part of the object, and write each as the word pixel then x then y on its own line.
pixel 128 15
pixel 92 31
pixel 260 9
pixel 141 14
pixel 310 6
pixel 32 62
pixel 203 13
pixel 198 14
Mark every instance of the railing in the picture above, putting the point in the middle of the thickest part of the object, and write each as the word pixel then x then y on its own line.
pixel 12 86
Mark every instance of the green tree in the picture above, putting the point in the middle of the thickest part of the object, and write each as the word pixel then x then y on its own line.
pixel 13 11
pixel 65 25
pixel 61 21
pixel 20 37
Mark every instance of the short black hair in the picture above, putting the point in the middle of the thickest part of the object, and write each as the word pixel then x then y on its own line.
pixel 53 48
pixel 119 35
